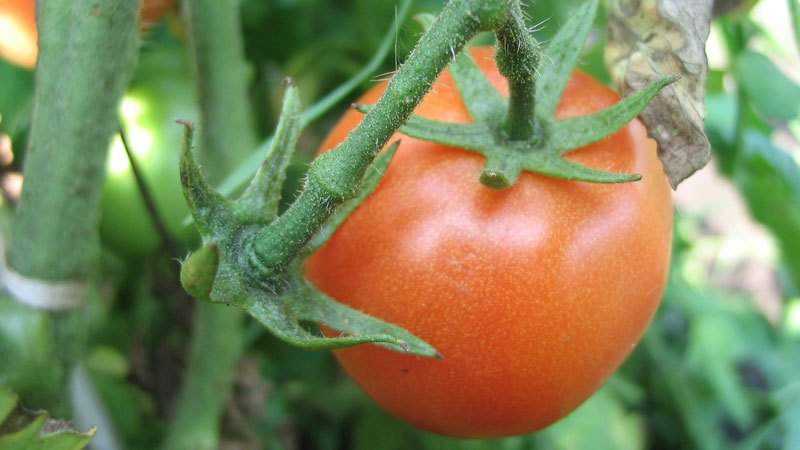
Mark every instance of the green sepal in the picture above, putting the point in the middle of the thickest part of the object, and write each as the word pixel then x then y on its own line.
pixel 292 309
pixel 286 304
pixel 474 136
pixel 210 209
pixel 286 317
pixel 21 430
pixel 558 167
pixel 483 101
pixel 260 200
pixel 577 132
pixel 502 169
pixel 560 56
pixel 543 152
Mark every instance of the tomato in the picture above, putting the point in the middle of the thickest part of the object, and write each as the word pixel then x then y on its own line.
pixel 162 91
pixel 18 32
pixel 534 295
pixel 18 27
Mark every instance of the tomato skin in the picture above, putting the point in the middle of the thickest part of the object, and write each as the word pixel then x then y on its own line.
pixel 19 45
pixel 534 295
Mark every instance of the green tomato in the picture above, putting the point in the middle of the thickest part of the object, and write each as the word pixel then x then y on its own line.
pixel 162 93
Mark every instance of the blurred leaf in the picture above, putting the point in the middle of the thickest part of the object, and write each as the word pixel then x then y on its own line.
pixel 20 430
pixel 108 361
pixel 772 93
pixel 713 353
pixel 789 401
pixel 134 412
pixel 16 97
pixel 29 359
pixel 377 430
pixel 769 179
pixel 602 423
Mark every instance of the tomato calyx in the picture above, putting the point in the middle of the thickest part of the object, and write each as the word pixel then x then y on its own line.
pixel 224 269
pixel 500 132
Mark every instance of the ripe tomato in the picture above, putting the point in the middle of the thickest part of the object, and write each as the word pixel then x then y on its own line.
pixel 18 32
pixel 18 27
pixel 534 295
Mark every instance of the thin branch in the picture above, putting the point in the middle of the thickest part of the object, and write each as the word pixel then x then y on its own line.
pixel 147 196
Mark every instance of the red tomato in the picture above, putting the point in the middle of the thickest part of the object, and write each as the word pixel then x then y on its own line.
pixel 534 295
pixel 18 27
pixel 18 32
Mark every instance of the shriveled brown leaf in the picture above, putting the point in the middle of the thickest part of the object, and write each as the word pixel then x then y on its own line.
pixel 649 39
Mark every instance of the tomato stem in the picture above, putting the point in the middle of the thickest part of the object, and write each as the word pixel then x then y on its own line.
pixel 335 176
pixel 517 58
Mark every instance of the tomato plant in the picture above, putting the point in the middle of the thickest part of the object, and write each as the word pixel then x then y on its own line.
pixel 18 25
pixel 533 295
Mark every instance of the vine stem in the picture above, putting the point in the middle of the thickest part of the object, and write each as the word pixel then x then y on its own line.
pixel 226 136
pixel 222 76
pixel 517 58
pixel 54 229
pixel 335 176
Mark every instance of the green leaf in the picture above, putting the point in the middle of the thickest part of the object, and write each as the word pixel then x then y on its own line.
pixel 483 101
pixel 769 179
pixel 372 179
pixel 717 335
pixel 561 55
pixel 773 94
pixel 23 431
pixel 571 134
pixel 788 398
pixel 260 200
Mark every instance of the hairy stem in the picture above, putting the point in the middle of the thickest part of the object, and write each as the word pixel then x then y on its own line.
pixel 226 136
pixel 517 57
pixel 222 78
pixel 334 176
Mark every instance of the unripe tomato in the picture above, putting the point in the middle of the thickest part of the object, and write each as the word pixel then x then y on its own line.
pixel 534 295
pixel 18 27
pixel 161 92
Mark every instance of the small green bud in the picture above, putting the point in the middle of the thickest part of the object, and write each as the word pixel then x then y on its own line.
pixel 199 270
